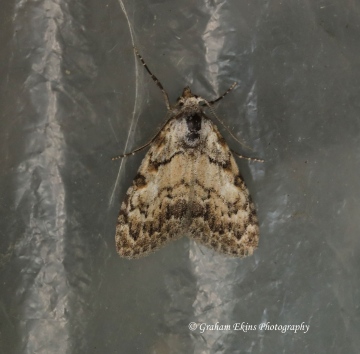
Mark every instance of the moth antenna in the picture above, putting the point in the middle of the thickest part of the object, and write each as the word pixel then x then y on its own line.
pixel 227 128
pixel 155 79
pixel 224 94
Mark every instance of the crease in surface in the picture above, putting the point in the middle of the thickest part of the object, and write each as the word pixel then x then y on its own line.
pixel 135 116
pixel 45 289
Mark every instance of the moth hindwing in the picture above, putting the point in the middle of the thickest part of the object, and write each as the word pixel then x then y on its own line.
pixel 188 184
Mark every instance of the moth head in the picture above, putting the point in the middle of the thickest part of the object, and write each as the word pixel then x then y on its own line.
pixel 189 101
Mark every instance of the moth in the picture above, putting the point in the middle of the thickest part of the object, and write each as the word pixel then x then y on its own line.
pixel 188 184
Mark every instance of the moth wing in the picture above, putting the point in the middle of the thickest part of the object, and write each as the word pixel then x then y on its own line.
pixel 155 209
pixel 222 212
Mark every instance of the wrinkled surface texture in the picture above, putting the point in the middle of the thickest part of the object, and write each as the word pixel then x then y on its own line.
pixel 73 95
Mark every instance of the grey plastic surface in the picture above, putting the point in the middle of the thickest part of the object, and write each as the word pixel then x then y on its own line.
pixel 73 95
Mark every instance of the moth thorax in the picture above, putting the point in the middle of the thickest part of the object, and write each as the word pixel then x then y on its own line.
pixel 193 123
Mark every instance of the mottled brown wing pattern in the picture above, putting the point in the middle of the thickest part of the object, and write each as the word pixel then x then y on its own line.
pixel 155 208
pixel 180 191
pixel 222 213
pixel 187 184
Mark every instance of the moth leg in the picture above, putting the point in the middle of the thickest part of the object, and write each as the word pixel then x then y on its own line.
pixel 223 124
pixel 224 94
pixel 143 146
pixel 157 82
pixel 134 151
pixel 247 158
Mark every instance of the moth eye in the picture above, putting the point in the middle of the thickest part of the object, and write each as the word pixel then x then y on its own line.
pixel 181 104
